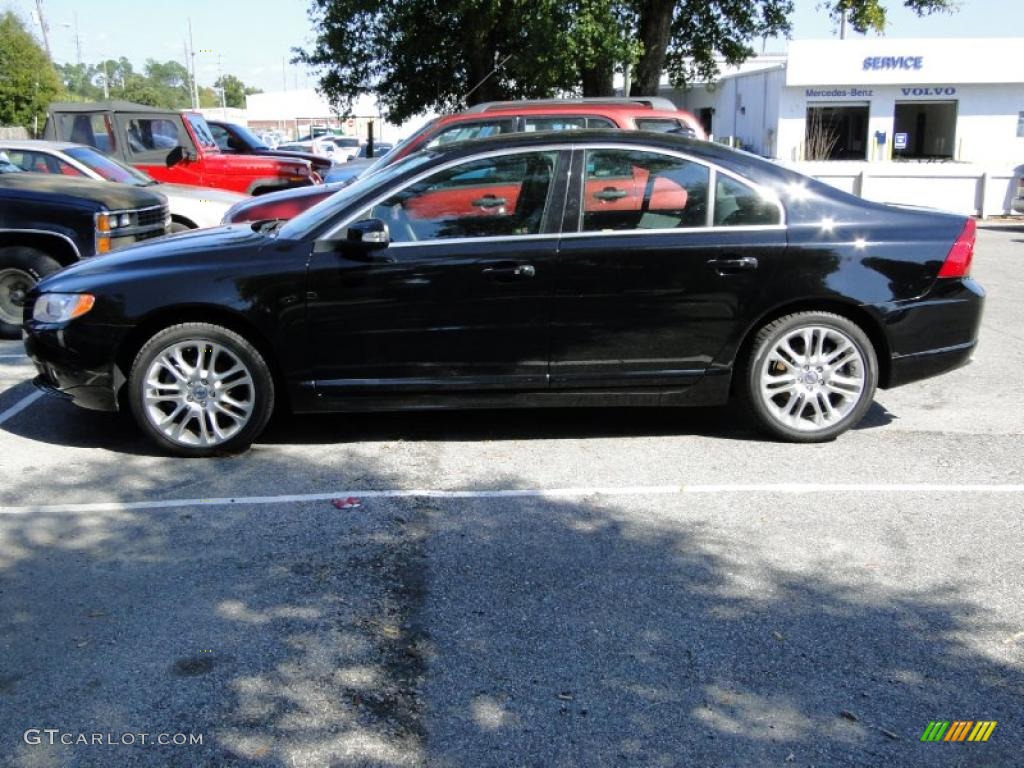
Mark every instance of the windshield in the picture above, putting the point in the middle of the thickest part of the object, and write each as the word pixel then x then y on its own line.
pixel 328 209
pixel 248 137
pixel 202 131
pixel 109 168
pixel 397 149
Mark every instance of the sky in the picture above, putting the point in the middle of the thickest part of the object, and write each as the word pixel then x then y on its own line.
pixel 253 38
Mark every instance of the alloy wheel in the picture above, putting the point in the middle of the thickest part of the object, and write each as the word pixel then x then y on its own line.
pixel 198 393
pixel 813 377
pixel 14 286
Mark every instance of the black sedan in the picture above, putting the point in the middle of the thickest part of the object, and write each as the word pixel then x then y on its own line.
pixel 589 269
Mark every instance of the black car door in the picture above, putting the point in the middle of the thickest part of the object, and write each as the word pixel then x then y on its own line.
pixel 459 300
pixel 659 256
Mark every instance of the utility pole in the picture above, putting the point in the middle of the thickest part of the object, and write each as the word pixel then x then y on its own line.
pixel 842 24
pixel 78 40
pixel 192 50
pixel 44 28
pixel 106 82
pixel 223 91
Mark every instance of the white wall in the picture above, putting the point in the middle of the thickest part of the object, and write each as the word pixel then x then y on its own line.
pixel 968 189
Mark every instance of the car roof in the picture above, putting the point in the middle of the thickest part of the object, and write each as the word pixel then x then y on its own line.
pixel 56 146
pixel 109 106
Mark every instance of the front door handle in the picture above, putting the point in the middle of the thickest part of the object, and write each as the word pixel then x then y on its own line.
pixel 508 271
pixel 733 264
pixel 610 193
pixel 489 201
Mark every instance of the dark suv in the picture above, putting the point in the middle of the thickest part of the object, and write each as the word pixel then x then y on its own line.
pixel 49 222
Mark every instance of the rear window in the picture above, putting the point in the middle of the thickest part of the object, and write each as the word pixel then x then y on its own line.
pixel 664 125
pixel 476 130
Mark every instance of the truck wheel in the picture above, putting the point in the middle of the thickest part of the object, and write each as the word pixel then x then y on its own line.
pixel 200 390
pixel 20 269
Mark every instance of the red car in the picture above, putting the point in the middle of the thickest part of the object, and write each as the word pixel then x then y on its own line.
pixel 493 118
pixel 174 147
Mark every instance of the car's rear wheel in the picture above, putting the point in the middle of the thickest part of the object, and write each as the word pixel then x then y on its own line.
pixel 201 390
pixel 810 376
pixel 20 269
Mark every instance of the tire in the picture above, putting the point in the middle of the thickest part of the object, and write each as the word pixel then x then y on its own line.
pixel 196 408
pixel 813 398
pixel 177 226
pixel 20 269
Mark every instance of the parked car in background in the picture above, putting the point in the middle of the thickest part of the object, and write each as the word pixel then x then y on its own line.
pixel 191 207
pixel 51 221
pixel 322 148
pixel 523 271
pixel 348 171
pixel 346 147
pixel 236 139
pixel 653 114
pixel 174 147
pixel 380 148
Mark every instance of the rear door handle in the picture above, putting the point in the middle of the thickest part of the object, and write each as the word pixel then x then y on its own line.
pixel 610 193
pixel 508 271
pixel 733 263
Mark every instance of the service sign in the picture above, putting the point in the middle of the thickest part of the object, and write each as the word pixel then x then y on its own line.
pixel 891 61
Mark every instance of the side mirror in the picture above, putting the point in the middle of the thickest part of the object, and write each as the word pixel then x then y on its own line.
pixel 179 155
pixel 366 241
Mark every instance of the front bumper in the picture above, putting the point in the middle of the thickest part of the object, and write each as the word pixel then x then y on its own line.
pixel 87 380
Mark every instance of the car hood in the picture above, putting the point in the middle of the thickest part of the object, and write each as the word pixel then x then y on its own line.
pixel 209 194
pixel 164 254
pixel 111 196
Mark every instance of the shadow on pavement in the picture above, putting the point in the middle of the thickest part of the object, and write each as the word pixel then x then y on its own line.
pixel 476 633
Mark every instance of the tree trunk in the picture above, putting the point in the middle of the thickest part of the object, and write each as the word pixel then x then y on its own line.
pixel 598 81
pixel 655 31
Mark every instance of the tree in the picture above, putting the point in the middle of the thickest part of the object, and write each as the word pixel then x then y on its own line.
pixel 870 15
pixel 235 91
pixel 28 81
pixel 419 55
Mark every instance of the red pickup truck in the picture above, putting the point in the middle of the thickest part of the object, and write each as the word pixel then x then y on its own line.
pixel 174 147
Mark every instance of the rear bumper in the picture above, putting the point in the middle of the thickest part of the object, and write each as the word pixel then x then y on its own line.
pixel 935 334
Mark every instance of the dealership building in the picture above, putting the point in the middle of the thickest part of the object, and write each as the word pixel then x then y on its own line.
pixel 945 116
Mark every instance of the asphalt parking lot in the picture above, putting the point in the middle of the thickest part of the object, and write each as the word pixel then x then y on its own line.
pixel 564 588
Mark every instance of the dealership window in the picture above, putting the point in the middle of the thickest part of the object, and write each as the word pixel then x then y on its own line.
pixel 924 130
pixel 836 132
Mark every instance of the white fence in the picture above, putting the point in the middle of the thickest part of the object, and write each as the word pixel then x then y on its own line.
pixel 959 187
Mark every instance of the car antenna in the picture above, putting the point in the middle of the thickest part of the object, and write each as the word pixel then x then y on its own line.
pixel 485 78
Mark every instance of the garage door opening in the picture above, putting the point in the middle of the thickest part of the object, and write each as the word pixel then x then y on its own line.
pixel 837 133
pixel 924 130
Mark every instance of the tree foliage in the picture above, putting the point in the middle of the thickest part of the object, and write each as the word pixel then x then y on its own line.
pixel 419 55
pixel 235 91
pixel 870 15
pixel 28 82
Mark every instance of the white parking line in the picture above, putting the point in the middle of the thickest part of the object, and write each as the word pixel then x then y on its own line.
pixel 542 493
pixel 20 406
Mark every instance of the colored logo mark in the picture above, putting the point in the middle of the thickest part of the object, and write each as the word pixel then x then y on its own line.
pixel 958 730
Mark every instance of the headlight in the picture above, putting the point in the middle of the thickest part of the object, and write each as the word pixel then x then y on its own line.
pixel 61 307
pixel 105 222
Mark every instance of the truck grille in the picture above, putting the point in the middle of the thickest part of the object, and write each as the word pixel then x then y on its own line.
pixel 151 217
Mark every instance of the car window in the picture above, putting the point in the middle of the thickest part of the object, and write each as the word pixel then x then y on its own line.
pixel 664 125
pixel 554 123
pixel 152 135
pixel 491 197
pixel 109 168
pixel 91 130
pixel 630 189
pixel 41 162
pixel 220 136
pixel 202 131
pixel 476 130
pixel 738 205
pixel 600 122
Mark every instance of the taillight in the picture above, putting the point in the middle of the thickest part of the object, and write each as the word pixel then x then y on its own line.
pixel 958 260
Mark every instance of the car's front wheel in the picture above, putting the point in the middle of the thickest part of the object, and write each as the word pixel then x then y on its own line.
pixel 199 389
pixel 810 376
pixel 20 269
